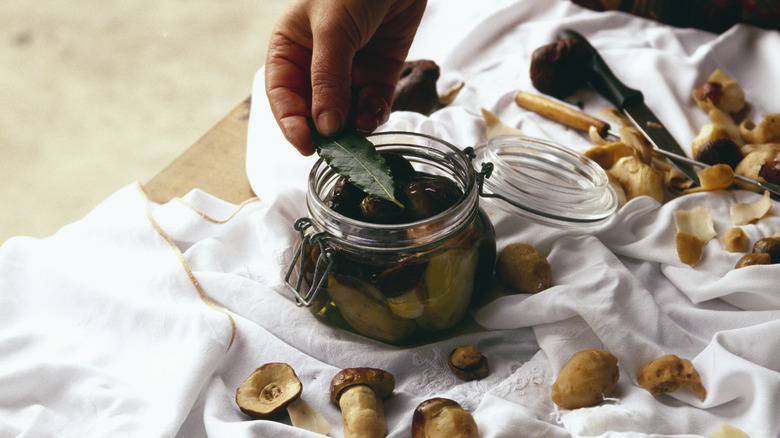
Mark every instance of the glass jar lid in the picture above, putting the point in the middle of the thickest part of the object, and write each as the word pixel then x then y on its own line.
pixel 546 183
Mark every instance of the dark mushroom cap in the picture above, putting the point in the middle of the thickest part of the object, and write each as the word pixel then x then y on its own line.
pixel 559 68
pixel 416 88
pixel 381 381
pixel 268 391
pixel 720 151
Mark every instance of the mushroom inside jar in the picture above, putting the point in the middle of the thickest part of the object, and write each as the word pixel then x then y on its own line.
pixel 402 296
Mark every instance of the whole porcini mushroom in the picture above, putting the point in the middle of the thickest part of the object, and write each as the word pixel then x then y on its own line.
pixel 416 89
pixel 359 393
pixel 442 418
pixel 560 67
pixel 524 269
pixel 274 388
pixel 468 363
pixel 268 391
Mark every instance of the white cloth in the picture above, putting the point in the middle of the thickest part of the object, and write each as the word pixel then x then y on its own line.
pixel 143 319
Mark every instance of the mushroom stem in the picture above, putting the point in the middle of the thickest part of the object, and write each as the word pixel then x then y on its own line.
pixel 363 412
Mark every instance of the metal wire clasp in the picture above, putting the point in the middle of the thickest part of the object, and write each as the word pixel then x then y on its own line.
pixel 322 266
pixel 484 173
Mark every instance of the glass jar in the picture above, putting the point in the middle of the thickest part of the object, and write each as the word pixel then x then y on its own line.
pixel 398 283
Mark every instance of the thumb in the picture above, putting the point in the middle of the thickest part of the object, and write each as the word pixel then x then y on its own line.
pixel 331 68
pixel 338 34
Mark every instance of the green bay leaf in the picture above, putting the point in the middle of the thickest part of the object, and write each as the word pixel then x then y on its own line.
pixel 356 159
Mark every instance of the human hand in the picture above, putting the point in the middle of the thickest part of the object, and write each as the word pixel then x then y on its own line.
pixel 337 61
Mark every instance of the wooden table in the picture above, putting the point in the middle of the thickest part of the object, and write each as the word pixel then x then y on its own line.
pixel 216 163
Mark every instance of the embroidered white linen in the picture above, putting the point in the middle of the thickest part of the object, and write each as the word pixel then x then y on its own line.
pixel 143 319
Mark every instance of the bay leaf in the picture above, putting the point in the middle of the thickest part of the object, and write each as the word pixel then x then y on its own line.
pixel 355 158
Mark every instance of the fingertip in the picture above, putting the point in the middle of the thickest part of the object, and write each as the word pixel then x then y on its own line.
pixel 296 131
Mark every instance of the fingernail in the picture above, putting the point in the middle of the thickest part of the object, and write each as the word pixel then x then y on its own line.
pixel 376 106
pixel 329 122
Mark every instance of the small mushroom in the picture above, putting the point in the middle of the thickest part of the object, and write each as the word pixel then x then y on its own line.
pixel 345 198
pixel 467 363
pixel 429 195
pixel 521 267
pixel 273 388
pixel 442 418
pixel 359 393
pixel 586 379
pixel 379 211
pixel 768 245
pixel 669 373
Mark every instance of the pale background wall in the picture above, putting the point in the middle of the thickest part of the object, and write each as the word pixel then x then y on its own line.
pixel 98 94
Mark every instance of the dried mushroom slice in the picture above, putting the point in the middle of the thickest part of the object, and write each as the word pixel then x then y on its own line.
pixel 494 126
pixel 728 431
pixel 267 392
pixel 748 212
pixel 735 240
pixel 606 154
pixel 669 373
pixel 638 178
pixel 754 161
pixel 767 130
pixel 717 177
pixel 696 221
pixel 689 248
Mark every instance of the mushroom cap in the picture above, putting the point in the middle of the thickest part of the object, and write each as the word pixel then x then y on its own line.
pixel 268 390
pixel 467 363
pixel 381 381
pixel 441 417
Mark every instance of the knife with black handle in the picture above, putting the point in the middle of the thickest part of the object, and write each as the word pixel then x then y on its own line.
pixel 632 103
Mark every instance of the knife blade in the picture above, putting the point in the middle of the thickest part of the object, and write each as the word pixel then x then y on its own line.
pixel 632 103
